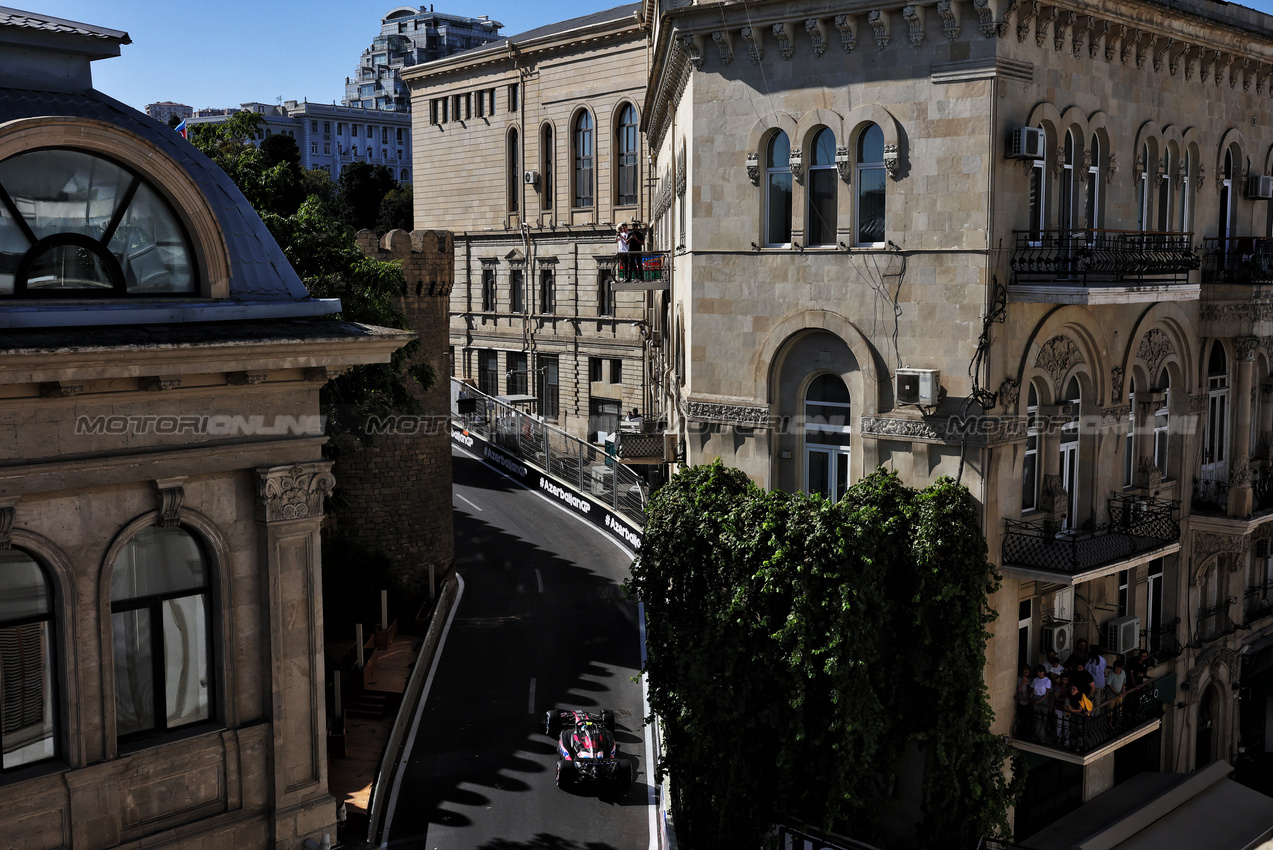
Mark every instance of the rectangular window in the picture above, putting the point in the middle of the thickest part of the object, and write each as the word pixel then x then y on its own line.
pixel 399 135
pixel 1030 469
pixel 1162 433
pixel 488 289
pixel 549 387
pixel 605 293
pixel 481 104
pixel 488 371
pixel 546 304
pixel 384 135
pixel 518 374
pixel 313 147
pixel 313 126
pixel 353 128
pixel 327 149
pixel 594 369
pixel 327 126
pixel 603 418
pixel 1123 578
pixel 517 290
pixel 512 97
pixel 340 127
pixel 616 370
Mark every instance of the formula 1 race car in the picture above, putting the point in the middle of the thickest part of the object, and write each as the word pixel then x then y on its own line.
pixel 587 749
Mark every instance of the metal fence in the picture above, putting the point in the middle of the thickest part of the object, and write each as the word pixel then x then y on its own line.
pixel 1053 725
pixel 1136 526
pixel 570 460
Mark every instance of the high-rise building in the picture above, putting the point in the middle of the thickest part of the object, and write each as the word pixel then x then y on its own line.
pixel 409 37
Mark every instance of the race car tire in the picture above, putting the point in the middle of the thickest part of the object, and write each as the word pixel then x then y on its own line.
pixel 565 773
pixel 623 777
pixel 550 723
pixel 607 719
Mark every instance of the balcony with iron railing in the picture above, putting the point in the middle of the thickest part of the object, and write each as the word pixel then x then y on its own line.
pixel 1242 260
pixel 1211 491
pixel 1214 623
pixel 1049 727
pixel 1137 527
pixel 642 270
pixel 1163 641
pixel 1098 266
pixel 1257 602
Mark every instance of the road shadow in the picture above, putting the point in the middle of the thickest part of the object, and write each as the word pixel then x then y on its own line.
pixel 544 841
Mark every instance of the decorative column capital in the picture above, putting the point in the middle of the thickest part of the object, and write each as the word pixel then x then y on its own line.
pixel 1245 348
pixel 170 495
pixel 293 492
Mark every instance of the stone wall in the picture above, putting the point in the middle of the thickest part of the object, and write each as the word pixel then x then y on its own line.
pixel 395 495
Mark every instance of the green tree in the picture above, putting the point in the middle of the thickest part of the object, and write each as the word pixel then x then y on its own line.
pixel 796 647
pixel 361 188
pixel 396 211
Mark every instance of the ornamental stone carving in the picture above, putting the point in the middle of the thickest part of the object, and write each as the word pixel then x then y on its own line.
pixel 753 168
pixel 1239 313
pixel 782 32
pixel 689 44
pixel 1112 41
pixel 243 379
pixel 7 514
pixel 1029 12
pixel 796 163
pixel 817 35
pixel 975 430
pixel 725 45
pixel 847 25
pixel 1098 34
pixel 891 160
pixel 1112 417
pixel 1245 347
pixel 728 414
pixel 1148 475
pixel 949 19
pixel 878 20
pixel 170 495
pixel 1129 43
pixel 914 17
pixel 1198 402
pixel 1155 347
pixel 1240 474
pixel 1111 168
pixel 1063 23
pixel 1053 497
pixel 293 492
pixel 1209 662
pixel 985 18
pixel 1205 546
pixel 1009 392
pixel 1057 356
pixel 755 44
pixel 1143 46
pixel 1168 44
pixel 1080 32
pixel 1116 382
pixel 844 163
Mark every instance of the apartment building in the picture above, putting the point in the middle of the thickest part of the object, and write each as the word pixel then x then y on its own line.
pixel 410 36
pixel 1024 245
pixel 533 157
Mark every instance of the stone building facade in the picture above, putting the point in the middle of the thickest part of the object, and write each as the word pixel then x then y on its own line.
pixel 1022 245
pixel 533 157
pixel 162 481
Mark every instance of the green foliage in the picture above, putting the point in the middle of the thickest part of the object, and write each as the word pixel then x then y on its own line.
pixel 795 648
pixel 396 212
pixel 362 187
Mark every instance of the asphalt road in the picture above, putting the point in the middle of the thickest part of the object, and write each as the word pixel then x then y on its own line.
pixel 542 623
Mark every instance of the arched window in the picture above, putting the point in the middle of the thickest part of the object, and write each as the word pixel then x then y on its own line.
pixel 28 704
pixel 546 154
pixel 1038 196
pixel 514 171
pixel 404 177
pixel 1182 193
pixel 583 159
pixel 1069 445
pixel 75 224
pixel 1162 424
pixel 1030 470
pixel 1066 215
pixel 820 228
pixel 778 191
pixel 1164 189
pixel 161 621
pixel 826 437
pixel 1142 189
pixel 1226 203
pixel 870 186
pixel 1215 443
pixel 1093 217
pixel 626 148
pixel 1129 445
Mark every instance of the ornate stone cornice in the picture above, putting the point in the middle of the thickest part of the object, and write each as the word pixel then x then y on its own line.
pixel 976 430
pixel 847 25
pixel 1240 313
pixel 1042 20
pixel 60 389
pixel 878 19
pixel 755 43
pixel 1209 662
pixel 243 379
pixel 782 32
pixel 725 45
pixel 1009 392
pixel 914 17
pixel 293 492
pixel 155 383
pixel 1116 382
pixel 693 52
pixel 1029 11
pixel 817 35
pixel 1205 546
pixel 949 19
pixel 1244 347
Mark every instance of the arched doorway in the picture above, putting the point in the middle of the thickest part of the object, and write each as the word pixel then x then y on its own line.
pixel 1205 731
pixel 826 437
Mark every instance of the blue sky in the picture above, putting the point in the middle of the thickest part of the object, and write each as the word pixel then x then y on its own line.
pixel 226 52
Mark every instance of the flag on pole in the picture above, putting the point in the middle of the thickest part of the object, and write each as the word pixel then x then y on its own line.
pixel 182 130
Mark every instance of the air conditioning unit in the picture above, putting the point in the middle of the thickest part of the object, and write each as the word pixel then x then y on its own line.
pixel 1122 634
pixel 1026 143
pixel 1259 186
pixel 530 178
pixel 918 386
pixel 1059 638
pixel 671 441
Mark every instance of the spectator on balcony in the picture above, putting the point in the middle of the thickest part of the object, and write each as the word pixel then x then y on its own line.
pixel 1080 652
pixel 1040 692
pixel 1025 678
pixel 1138 667
pixel 1115 683
pixel 621 248
pixel 1096 667
pixel 1054 666
pixel 1080 678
